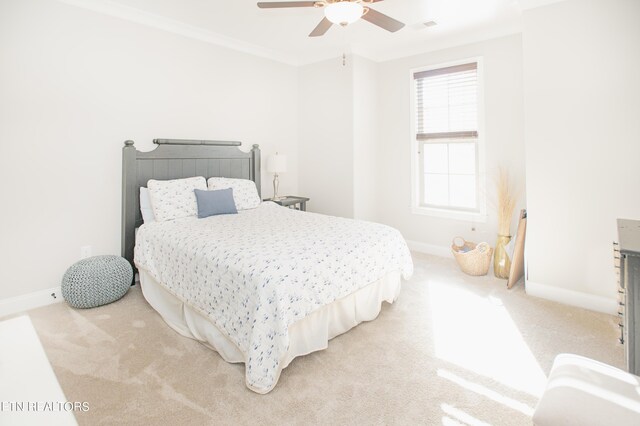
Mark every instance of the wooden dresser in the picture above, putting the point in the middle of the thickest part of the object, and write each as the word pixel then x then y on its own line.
pixel 628 260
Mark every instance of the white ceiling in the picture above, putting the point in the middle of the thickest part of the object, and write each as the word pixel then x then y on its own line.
pixel 282 34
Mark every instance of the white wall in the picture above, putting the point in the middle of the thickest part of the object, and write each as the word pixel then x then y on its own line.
pixel 338 134
pixel 325 111
pixel 74 85
pixel 503 138
pixel 582 109
pixel 365 137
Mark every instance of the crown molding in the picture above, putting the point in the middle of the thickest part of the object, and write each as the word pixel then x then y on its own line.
pixel 420 48
pixel 443 43
pixel 138 16
pixel 532 4
pixel 132 14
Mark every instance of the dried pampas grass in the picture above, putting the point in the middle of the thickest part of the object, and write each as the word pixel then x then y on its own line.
pixel 507 196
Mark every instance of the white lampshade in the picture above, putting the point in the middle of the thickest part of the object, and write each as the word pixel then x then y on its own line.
pixel 277 163
pixel 343 12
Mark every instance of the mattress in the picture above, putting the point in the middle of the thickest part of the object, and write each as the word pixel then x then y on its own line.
pixel 257 274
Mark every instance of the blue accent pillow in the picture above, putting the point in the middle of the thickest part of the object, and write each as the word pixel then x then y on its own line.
pixel 211 203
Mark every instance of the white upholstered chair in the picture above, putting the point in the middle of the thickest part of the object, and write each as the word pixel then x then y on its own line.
pixel 584 392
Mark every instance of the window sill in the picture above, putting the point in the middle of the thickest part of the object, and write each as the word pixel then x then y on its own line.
pixel 450 214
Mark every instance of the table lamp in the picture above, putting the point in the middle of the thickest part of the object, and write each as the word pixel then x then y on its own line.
pixel 276 164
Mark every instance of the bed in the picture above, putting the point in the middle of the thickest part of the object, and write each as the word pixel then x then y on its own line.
pixel 262 286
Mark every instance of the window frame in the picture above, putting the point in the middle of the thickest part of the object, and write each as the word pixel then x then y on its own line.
pixel 417 178
pixel 421 173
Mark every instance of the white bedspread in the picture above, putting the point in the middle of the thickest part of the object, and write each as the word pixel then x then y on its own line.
pixel 257 272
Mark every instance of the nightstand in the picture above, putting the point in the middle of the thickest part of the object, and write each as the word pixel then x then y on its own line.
pixel 291 201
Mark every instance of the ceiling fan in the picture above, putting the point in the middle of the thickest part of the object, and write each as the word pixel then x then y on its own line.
pixel 341 12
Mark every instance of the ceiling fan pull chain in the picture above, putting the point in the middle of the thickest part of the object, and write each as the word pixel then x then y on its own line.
pixel 345 43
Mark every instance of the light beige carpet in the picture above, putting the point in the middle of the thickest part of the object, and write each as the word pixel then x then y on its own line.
pixel 453 349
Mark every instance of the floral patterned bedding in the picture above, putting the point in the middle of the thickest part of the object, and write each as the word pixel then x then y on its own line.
pixel 257 272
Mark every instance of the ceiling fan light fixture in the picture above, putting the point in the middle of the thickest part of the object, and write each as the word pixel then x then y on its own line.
pixel 343 12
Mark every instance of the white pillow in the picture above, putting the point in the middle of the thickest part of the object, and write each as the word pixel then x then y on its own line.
pixel 173 199
pixel 245 194
pixel 145 206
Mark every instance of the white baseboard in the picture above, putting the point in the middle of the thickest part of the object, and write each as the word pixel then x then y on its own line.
pixel 33 300
pixel 543 291
pixel 573 298
pixel 426 248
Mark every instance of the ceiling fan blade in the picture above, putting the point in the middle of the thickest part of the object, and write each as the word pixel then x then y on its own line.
pixel 382 20
pixel 322 28
pixel 280 4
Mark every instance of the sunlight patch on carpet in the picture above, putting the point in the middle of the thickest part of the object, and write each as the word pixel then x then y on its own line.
pixel 478 334
pixel 460 417
pixel 30 393
pixel 486 392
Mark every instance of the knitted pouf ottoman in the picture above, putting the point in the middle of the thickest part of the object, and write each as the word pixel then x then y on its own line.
pixel 96 281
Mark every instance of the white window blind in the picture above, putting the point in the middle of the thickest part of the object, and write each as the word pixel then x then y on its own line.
pixel 446 126
pixel 447 102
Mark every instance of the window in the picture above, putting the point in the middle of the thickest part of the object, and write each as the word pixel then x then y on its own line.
pixel 448 165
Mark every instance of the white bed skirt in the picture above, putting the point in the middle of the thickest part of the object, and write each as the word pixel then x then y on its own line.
pixel 305 336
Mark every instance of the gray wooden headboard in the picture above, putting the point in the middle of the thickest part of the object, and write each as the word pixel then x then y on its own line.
pixel 174 159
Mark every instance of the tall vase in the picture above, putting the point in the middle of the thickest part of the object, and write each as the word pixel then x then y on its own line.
pixel 501 261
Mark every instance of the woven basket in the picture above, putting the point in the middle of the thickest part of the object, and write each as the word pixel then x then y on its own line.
pixel 473 259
